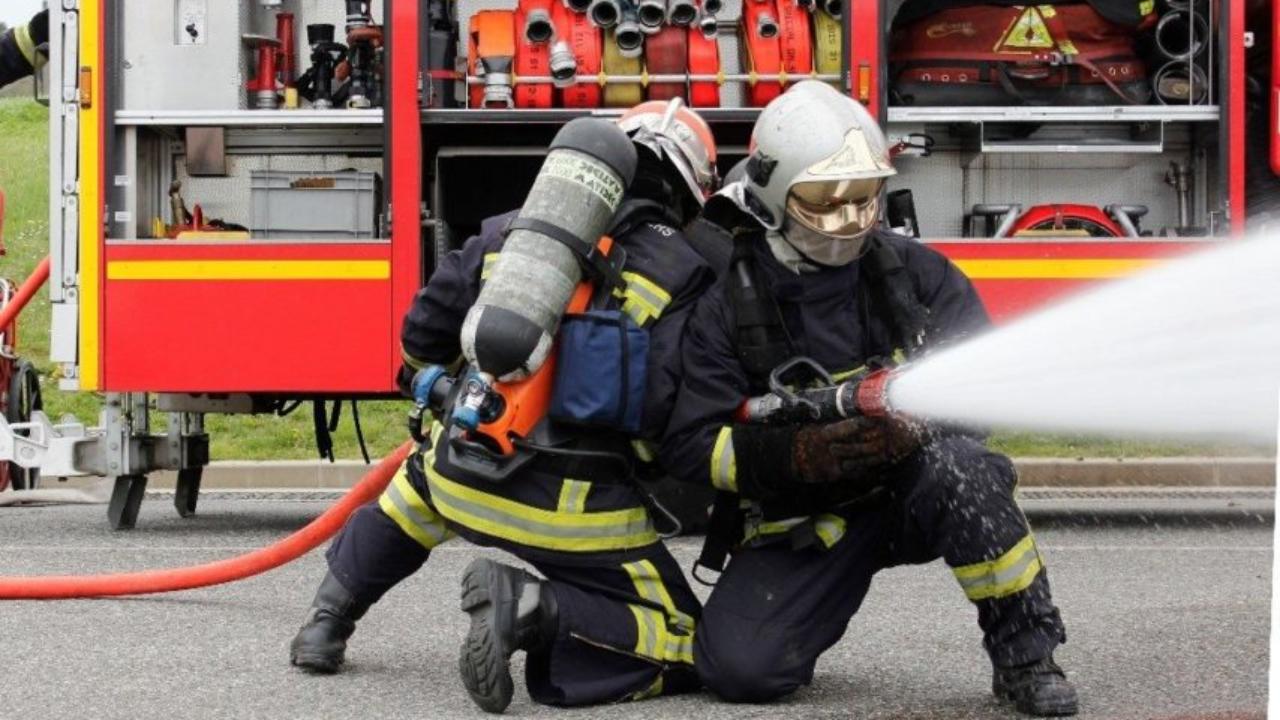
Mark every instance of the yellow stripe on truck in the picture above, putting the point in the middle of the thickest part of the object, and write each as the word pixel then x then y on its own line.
pixel 151 270
pixel 90 193
pixel 1061 269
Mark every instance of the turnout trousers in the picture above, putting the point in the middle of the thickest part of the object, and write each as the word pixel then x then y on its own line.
pixel 626 617
pixel 776 608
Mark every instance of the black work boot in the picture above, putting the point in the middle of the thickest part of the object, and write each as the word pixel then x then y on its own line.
pixel 1040 689
pixel 510 610
pixel 321 644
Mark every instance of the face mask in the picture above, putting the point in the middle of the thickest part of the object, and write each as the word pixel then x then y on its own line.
pixel 822 249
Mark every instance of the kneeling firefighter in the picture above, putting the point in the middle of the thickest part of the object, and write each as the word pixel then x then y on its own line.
pixel 614 617
pixel 812 506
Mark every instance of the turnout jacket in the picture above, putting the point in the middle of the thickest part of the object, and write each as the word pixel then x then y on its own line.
pixel 19 48
pixel 540 508
pixel 833 316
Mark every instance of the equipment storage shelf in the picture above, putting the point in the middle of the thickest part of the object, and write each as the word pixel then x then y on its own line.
pixel 247 241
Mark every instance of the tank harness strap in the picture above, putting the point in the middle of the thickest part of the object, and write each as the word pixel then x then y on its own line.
pixel 604 267
pixel 888 276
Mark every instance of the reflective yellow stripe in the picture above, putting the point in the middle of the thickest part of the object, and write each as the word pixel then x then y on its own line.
pixel 22 34
pixel 649 585
pixel 724 465
pixel 516 522
pixel 1060 269
pixel 644 300
pixel 1010 573
pixel 490 259
pixel 249 270
pixel 772 527
pixel 573 496
pixel 644 450
pixel 830 529
pixel 412 361
pixel 846 374
pixel 91 209
pixel 412 514
pixel 654 641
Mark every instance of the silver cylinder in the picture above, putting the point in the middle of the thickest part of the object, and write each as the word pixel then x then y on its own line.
pixel 766 26
pixel 651 14
pixel 708 25
pixel 834 8
pixel 1182 34
pixel 629 34
pixel 604 13
pixel 1180 82
pixel 682 12
pixel 563 64
pixel 537 27
pixel 508 333
pixel 712 7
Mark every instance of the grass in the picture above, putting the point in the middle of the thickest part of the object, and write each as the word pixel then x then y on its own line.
pixel 24 178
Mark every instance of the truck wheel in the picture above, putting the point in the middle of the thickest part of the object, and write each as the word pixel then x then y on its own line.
pixel 24 397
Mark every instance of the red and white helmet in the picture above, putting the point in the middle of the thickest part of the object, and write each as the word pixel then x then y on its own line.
pixel 678 136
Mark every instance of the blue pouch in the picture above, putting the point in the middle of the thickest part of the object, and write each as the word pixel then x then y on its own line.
pixel 600 371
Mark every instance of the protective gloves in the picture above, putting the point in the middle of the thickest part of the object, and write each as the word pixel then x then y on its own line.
pixel 852 449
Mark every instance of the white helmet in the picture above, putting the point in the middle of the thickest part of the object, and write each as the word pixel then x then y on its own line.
pixel 678 135
pixel 818 165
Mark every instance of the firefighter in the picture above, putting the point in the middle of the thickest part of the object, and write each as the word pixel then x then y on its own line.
pixel 812 512
pixel 613 618
pixel 23 49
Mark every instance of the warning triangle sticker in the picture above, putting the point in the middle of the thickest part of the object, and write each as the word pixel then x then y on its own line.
pixel 1027 33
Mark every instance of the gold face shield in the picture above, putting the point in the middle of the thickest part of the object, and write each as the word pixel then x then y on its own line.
pixel 844 209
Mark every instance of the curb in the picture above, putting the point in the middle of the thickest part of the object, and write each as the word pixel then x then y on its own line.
pixel 1033 472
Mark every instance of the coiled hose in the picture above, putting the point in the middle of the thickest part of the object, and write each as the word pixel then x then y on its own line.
pixel 216 573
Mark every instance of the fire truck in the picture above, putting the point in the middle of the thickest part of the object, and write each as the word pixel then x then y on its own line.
pixel 246 194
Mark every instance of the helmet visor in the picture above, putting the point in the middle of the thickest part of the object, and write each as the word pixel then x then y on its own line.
pixel 836 208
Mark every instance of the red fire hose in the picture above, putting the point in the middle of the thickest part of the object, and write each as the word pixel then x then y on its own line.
pixel 10 312
pixel 215 573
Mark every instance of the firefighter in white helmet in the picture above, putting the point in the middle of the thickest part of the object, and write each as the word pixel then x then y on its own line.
pixel 611 616
pixel 811 512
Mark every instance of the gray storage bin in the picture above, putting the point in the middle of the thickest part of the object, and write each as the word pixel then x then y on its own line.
pixel 315 206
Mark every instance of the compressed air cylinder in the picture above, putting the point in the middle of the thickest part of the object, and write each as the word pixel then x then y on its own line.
pixel 508 333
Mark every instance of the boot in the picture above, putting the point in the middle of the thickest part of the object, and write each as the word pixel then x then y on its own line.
pixel 510 610
pixel 1040 689
pixel 320 646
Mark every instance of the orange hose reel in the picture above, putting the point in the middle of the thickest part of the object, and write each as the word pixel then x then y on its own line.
pixel 588 47
pixel 532 60
pixel 667 53
pixel 761 55
pixel 795 39
pixel 704 59
pixel 492 46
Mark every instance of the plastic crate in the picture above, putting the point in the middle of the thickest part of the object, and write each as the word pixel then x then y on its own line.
pixel 315 206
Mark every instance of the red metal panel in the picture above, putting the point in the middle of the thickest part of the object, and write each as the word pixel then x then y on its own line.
pixel 218 335
pixel 1235 114
pixel 865 37
pixel 1008 298
pixel 406 168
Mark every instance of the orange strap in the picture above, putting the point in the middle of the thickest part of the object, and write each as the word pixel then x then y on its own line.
pixel 493 37
pixel 760 54
pixel 588 47
pixel 532 60
pixel 795 38
pixel 704 59
pixel 667 53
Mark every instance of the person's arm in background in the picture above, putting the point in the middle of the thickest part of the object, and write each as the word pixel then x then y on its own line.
pixel 20 53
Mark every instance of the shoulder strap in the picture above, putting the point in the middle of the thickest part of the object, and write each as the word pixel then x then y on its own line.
pixel 762 340
pixel 604 267
pixel 888 276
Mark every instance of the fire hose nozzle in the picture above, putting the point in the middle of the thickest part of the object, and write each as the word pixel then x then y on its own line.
pixel 537 26
pixel 563 64
pixel 865 394
pixel 766 26
pixel 629 34
pixel 834 8
pixel 651 14
pixel 871 398
pixel 712 7
pixel 682 12
pixel 708 25
pixel 604 13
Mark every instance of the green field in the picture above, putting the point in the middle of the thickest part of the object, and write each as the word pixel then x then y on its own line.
pixel 24 178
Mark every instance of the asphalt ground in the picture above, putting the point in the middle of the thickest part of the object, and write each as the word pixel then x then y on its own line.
pixel 1165 618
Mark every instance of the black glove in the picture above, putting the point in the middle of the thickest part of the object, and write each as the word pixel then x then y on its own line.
pixel 850 449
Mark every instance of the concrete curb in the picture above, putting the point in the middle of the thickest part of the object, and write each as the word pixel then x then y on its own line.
pixel 1034 472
